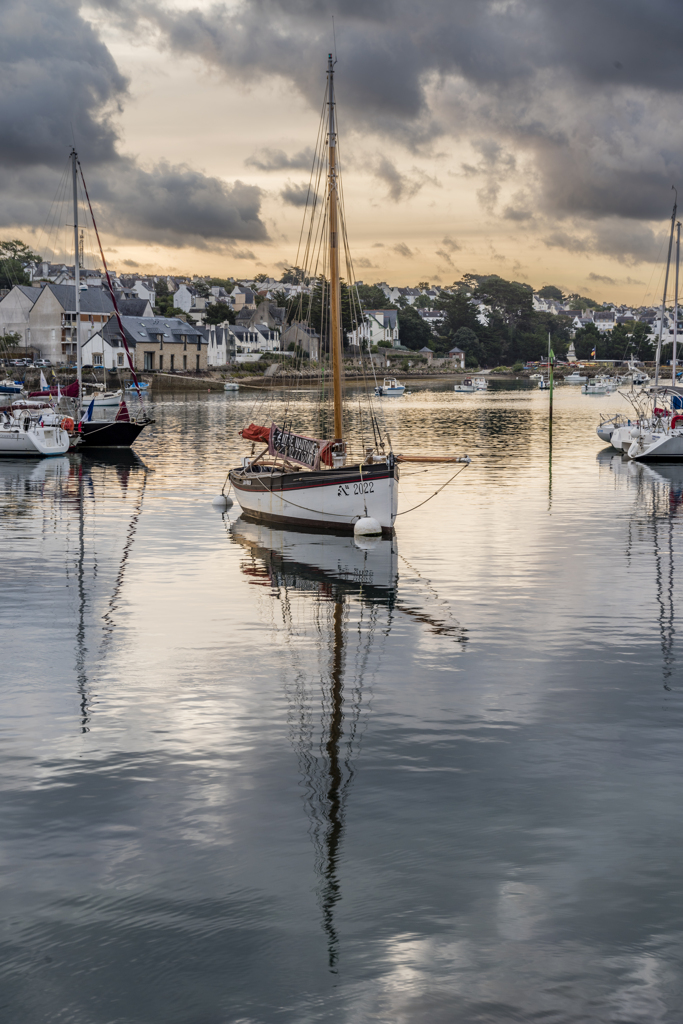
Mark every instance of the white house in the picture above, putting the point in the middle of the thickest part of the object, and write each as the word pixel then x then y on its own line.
pixel 145 289
pixel 379 325
pixel 604 321
pixel 14 312
pixel 458 357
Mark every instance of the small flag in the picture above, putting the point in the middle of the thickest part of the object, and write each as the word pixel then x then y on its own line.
pixel 122 416
pixel 59 393
pixel 43 382
pixel 88 415
pixel 593 354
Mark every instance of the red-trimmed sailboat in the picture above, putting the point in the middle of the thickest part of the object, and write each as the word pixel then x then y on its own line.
pixel 306 481
pixel 316 482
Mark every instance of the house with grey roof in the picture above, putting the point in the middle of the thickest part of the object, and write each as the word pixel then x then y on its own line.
pixel 165 344
pixel 52 319
pixel 14 312
pixel 378 326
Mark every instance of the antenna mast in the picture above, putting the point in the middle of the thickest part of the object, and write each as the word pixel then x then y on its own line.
pixel 666 284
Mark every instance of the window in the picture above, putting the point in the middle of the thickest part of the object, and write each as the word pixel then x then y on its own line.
pixel 119 359
pixel 97 358
pixel 183 338
pixel 173 362
pixel 161 361
pixel 149 360
pixel 184 362
pixel 198 358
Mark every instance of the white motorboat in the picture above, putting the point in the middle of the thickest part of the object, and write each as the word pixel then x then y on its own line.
pixel 575 378
pixel 543 384
pixel 103 399
pixel 11 387
pixel 536 376
pixel 471 384
pixel 32 431
pixel 391 388
pixel 231 385
pixel 656 443
pixel 600 386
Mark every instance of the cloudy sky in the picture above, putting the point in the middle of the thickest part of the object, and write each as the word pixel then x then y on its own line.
pixel 538 139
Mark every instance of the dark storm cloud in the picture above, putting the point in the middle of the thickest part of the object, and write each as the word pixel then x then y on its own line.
pixel 296 195
pixel 588 92
pixel 60 86
pixel 277 160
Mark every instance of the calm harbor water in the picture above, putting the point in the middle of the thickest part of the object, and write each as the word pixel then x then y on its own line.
pixel 255 776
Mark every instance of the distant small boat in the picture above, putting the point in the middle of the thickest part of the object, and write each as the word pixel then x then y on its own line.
pixel 142 386
pixel 471 384
pixel 104 399
pixel 575 378
pixel 11 387
pixel 600 386
pixel 543 384
pixel 390 388
pixel 231 385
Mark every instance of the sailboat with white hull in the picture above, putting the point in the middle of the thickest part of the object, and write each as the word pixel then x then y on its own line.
pixel 314 482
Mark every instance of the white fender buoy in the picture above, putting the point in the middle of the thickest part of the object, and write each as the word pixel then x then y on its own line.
pixel 367 527
pixel 222 501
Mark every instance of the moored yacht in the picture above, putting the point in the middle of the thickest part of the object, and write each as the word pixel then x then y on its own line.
pixel 32 431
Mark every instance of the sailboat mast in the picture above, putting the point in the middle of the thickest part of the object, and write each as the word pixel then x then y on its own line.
pixel 335 288
pixel 678 261
pixel 77 277
pixel 666 285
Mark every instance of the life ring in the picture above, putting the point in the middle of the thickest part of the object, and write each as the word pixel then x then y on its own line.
pixel 676 419
pixel 67 424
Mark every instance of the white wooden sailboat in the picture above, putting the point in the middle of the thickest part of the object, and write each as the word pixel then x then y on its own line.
pixel 315 482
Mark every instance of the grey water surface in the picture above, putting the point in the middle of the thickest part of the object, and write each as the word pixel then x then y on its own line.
pixel 254 775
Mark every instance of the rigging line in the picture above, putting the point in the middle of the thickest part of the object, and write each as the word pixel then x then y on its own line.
pixel 111 289
pixel 405 513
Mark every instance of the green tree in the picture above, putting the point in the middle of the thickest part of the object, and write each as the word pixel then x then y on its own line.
pixel 549 291
pixel 15 255
pixel 260 278
pixel 372 297
pixel 292 275
pixel 219 312
pixel 413 331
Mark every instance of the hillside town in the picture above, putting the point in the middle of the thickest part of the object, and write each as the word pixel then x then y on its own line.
pixel 191 324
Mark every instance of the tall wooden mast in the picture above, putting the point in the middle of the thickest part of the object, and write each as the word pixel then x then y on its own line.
pixel 77 279
pixel 335 288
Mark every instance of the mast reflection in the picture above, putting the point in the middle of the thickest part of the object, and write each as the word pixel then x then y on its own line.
pixel 349 590
pixel 353 587
pixel 659 500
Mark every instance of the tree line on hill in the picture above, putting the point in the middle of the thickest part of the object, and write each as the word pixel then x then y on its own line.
pixel 515 331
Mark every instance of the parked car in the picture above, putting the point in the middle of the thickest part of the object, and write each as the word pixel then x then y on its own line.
pixel 20 362
pixel 42 363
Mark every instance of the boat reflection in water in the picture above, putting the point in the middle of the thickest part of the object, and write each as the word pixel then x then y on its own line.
pixel 347 590
pixel 68 491
pixel 658 491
